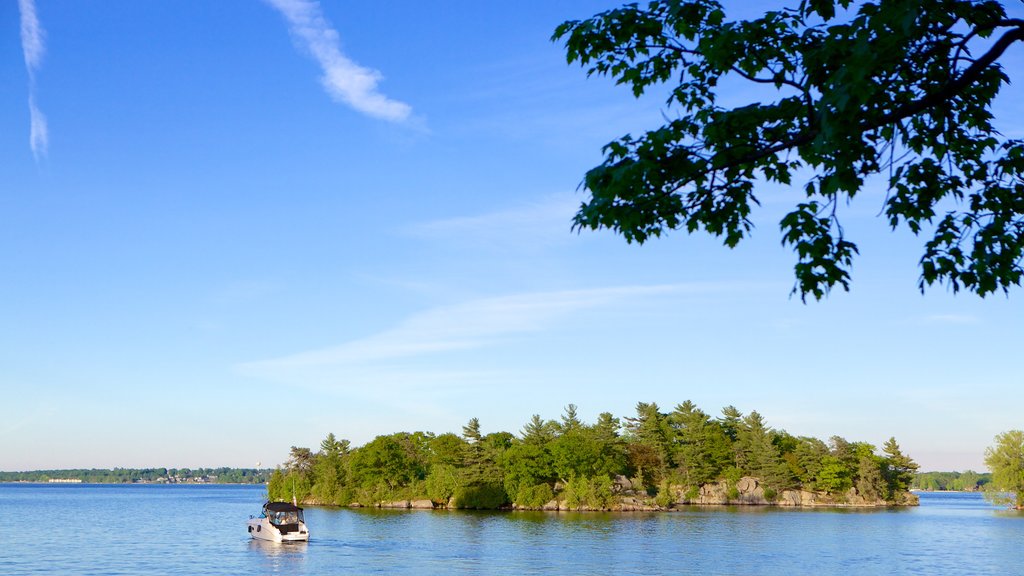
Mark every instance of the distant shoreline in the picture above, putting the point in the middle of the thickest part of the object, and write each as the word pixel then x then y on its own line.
pixel 221 475
pixel 83 483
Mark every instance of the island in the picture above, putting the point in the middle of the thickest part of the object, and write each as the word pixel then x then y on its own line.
pixel 653 460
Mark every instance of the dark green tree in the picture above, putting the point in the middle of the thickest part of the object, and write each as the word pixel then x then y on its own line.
pixel 613 456
pixel 299 460
pixel 329 475
pixel 650 438
pixel 731 421
pixel 702 448
pixel 870 483
pixel 570 421
pixel 900 468
pixel 537 431
pixel 841 90
pixel 756 453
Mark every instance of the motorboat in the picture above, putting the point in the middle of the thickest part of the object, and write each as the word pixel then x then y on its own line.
pixel 279 522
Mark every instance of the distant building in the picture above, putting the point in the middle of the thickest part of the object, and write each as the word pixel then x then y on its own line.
pixel 64 481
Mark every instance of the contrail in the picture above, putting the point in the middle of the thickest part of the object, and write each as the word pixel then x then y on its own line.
pixel 343 79
pixel 32 45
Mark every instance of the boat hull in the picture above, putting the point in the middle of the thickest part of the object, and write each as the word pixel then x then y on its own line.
pixel 262 529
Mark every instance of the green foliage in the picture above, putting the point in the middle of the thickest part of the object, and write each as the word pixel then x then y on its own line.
pixel 665 497
pixel 870 482
pixel 389 461
pixel 969 481
pixel 702 447
pixel 527 464
pixel 756 452
pixel 899 89
pixel 447 449
pixel 1006 461
pixel 834 477
pixel 650 437
pixel 481 497
pixel 593 493
pixel 900 468
pixel 442 482
pixel 692 494
pixel 533 496
pixel 539 432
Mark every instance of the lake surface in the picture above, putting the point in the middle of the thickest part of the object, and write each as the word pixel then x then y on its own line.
pixel 152 529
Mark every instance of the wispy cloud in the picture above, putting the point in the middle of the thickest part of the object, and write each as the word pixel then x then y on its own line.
pixel 952 319
pixel 33 47
pixel 546 220
pixel 343 79
pixel 389 357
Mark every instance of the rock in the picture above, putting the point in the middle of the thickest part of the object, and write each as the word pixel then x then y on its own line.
pixel 395 504
pixel 713 493
pixel 622 484
pixel 808 498
pixel 552 505
pixel 747 485
pixel 789 498
pixel 421 504
pixel 750 492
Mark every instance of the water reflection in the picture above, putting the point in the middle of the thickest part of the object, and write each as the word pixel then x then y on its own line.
pixel 280 557
pixel 279 548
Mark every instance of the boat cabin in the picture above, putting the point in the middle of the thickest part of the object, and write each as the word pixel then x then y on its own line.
pixel 283 515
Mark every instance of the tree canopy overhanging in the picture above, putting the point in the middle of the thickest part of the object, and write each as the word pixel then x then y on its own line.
pixel 897 88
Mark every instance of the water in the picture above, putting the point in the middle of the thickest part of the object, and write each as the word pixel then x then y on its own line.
pixel 151 529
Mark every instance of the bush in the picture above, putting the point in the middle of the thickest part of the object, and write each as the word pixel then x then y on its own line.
pixel 590 492
pixel 442 483
pixel 733 493
pixel 770 494
pixel 732 474
pixel 665 497
pixel 534 496
pixel 481 497
pixel 373 495
pixel 692 494
pixel 600 492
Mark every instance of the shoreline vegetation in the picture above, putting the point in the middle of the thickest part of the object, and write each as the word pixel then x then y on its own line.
pixel 652 461
pixel 223 475
pixel 967 481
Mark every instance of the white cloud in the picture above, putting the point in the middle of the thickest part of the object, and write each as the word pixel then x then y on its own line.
pixel 39 136
pixel 343 79
pixel 33 47
pixel 385 358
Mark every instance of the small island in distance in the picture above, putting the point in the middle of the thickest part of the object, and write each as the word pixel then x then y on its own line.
pixel 222 475
pixel 653 460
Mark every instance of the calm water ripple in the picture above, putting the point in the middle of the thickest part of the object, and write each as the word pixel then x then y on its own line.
pixel 150 529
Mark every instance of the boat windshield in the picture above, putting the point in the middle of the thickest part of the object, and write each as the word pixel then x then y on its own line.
pixel 281 513
pixel 285 517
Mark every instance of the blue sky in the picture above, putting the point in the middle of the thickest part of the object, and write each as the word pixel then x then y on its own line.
pixel 359 214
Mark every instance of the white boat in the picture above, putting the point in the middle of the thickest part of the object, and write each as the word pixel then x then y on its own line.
pixel 279 522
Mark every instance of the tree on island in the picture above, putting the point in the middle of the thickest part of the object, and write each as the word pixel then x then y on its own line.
pixel 1006 461
pixel 900 89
